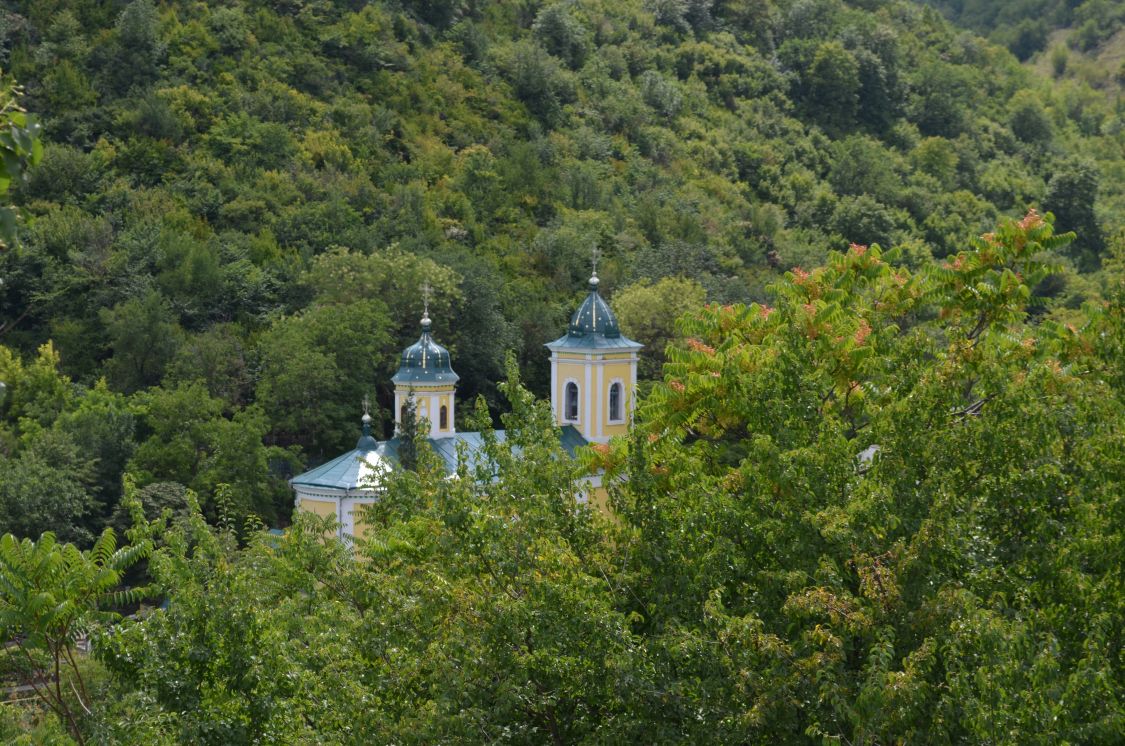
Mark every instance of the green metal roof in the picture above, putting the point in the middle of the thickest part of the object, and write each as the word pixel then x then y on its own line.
pixel 594 326
pixel 425 361
pixel 354 470
pixel 351 471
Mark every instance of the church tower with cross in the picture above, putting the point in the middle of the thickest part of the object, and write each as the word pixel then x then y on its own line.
pixel 594 371
pixel 593 376
pixel 426 376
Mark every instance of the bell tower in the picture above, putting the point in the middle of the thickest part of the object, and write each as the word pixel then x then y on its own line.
pixel 425 374
pixel 594 371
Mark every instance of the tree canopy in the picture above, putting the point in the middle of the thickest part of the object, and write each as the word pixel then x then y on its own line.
pixel 872 493
pixel 245 198
pixel 883 508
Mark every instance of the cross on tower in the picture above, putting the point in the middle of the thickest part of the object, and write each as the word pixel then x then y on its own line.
pixel 366 405
pixel 426 290
pixel 594 260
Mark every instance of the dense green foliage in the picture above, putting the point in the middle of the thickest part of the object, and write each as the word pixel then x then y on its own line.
pixel 885 509
pixel 872 495
pixel 875 493
pixel 1024 25
pixel 53 594
pixel 20 148
pixel 238 201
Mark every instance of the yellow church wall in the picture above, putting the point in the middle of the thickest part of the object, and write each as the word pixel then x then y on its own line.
pixel 615 368
pixel 444 400
pixel 360 526
pixel 444 394
pixel 599 500
pixel 322 508
pixel 568 371
pixel 617 371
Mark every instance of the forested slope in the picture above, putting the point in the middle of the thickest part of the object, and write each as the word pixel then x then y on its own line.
pixel 239 201
pixel 872 496
pixel 1083 42
pixel 1025 26
pixel 885 508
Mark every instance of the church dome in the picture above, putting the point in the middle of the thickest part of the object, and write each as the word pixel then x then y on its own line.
pixel 594 325
pixel 425 361
pixel 366 441
pixel 594 316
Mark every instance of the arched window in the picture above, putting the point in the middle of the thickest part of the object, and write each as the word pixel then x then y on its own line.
pixel 570 402
pixel 615 413
pixel 444 417
pixel 402 415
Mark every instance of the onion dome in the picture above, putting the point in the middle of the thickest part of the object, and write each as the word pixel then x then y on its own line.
pixel 594 325
pixel 425 361
pixel 594 316
pixel 366 442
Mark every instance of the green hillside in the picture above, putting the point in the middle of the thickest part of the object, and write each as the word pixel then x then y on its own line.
pixel 872 492
pixel 239 201
pixel 1081 44
pixel 1026 26
pixel 884 509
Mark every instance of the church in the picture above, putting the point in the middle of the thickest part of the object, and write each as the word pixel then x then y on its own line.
pixel 593 385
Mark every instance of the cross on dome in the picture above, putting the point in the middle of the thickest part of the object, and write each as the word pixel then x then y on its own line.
pixel 366 441
pixel 426 291
pixel 425 361
pixel 593 378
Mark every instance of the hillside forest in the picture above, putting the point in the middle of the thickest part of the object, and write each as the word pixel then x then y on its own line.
pixel 1030 26
pixel 872 494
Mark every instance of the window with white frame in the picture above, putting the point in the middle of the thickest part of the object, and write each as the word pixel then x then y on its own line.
pixel 616 405
pixel 570 402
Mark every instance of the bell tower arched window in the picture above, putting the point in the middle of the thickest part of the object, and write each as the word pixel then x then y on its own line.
pixel 402 415
pixel 570 402
pixel 615 409
pixel 443 418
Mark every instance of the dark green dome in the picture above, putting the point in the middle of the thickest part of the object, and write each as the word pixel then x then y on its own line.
pixel 425 361
pixel 366 441
pixel 593 326
pixel 594 316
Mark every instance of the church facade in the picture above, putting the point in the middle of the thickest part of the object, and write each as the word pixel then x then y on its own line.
pixel 593 387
